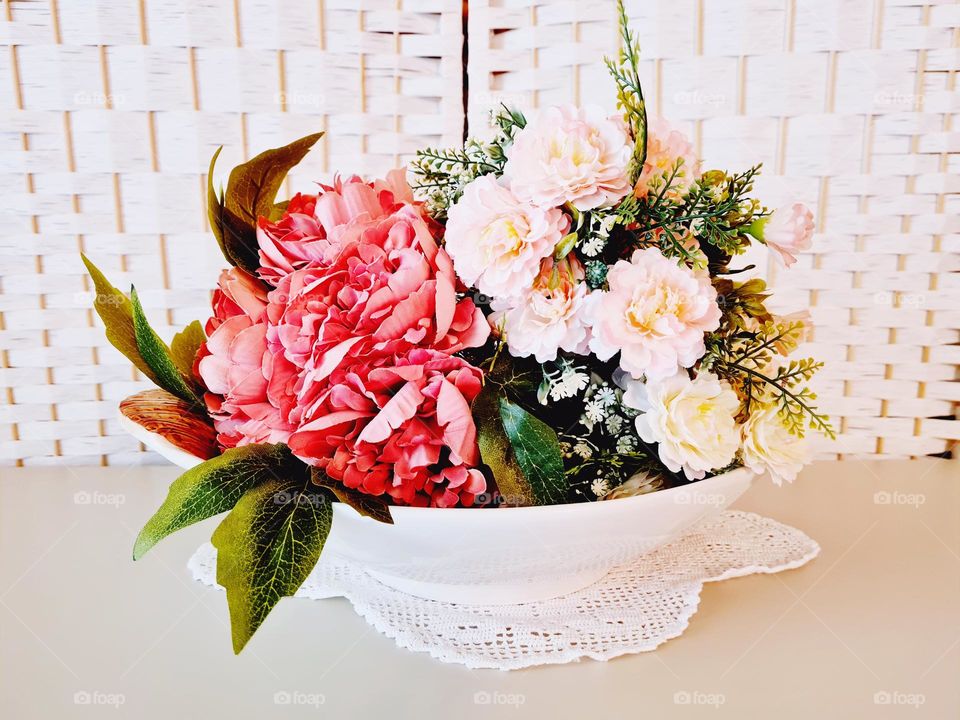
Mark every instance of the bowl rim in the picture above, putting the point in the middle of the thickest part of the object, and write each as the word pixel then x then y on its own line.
pixel 411 511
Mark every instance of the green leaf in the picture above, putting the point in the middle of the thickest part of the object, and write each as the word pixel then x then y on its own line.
pixel 364 503
pixel 565 245
pixel 251 190
pixel 266 548
pixel 213 487
pixel 184 347
pixel 116 312
pixel 537 451
pixel 156 354
pixel 497 451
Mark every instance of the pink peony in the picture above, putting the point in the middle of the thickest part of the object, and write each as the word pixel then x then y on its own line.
pixel 655 315
pixel 571 155
pixel 549 317
pixel 236 367
pixel 403 428
pixel 310 231
pixel 789 231
pixel 497 241
pixel 667 149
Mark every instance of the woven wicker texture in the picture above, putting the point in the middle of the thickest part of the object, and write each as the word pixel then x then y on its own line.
pixel 111 110
pixel 853 108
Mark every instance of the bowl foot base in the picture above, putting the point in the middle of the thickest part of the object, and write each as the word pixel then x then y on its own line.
pixel 506 594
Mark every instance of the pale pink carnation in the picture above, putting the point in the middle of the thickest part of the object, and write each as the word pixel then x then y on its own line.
pixel 497 241
pixel 549 317
pixel 789 231
pixel 655 315
pixel 571 155
pixel 666 146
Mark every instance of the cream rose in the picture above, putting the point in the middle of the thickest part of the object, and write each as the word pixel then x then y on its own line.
pixel 497 241
pixel 769 447
pixel 569 154
pixel 692 421
pixel 654 314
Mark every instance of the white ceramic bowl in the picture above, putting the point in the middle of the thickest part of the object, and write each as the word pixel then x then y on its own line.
pixel 511 555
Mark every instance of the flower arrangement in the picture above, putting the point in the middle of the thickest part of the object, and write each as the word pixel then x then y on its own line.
pixel 553 316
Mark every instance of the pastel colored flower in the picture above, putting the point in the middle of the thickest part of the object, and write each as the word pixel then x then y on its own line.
pixel 571 155
pixel 497 241
pixel 654 314
pixel 236 367
pixel 344 335
pixel 312 227
pixel 767 445
pixel 789 231
pixel 403 429
pixel 666 147
pixel 549 317
pixel 692 421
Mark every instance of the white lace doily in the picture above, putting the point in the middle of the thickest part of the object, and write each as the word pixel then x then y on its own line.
pixel 633 609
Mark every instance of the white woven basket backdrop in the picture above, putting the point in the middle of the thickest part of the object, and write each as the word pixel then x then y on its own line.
pixel 112 108
pixel 853 108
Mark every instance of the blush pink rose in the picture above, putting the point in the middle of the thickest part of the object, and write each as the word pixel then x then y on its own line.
pixel 403 429
pixel 669 154
pixel 236 367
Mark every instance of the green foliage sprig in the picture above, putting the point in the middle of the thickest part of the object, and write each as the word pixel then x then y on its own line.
pixel 626 74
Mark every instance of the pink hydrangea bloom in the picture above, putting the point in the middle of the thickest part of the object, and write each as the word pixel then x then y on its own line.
pixel 570 154
pixel 403 428
pixel 310 231
pixel 236 367
pixel 497 241
pixel 655 315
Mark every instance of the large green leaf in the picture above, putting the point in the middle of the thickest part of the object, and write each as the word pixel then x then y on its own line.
pixel 365 504
pixel 251 190
pixel 116 312
pixel 184 347
pixel 237 239
pixel 215 486
pixel 266 548
pixel 156 354
pixel 496 450
pixel 537 452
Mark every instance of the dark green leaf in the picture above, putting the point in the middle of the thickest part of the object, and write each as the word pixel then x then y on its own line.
pixel 251 190
pixel 496 450
pixel 156 354
pixel 266 548
pixel 184 347
pixel 365 504
pixel 537 451
pixel 214 487
pixel 116 312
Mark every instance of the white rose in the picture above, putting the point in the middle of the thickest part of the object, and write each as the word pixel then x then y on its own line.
pixel 497 241
pixel 769 447
pixel 570 154
pixel 692 421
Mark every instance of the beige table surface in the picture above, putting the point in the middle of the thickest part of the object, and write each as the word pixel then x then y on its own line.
pixel 870 629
